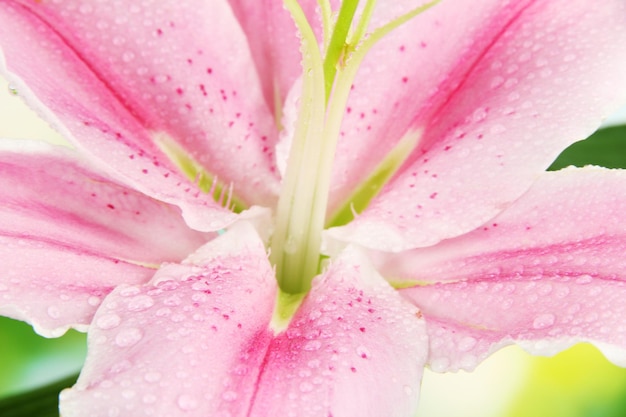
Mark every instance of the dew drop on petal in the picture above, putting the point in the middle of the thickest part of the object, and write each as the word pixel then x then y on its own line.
pixel 108 321
pixel 497 129
pixel 314 315
pixel 362 352
pixel 129 291
pixel 312 345
pixel 543 321
pixel 161 78
pixel 85 9
pixel 128 394
pixel 128 337
pixel 439 364
pixel 12 90
pixel 54 312
pixel 94 301
pixel 229 396
pixel 467 343
pixel 200 286
pixel 187 402
pixel 306 387
pixel 128 56
pixel 152 376
pixel 149 399
pixel 140 303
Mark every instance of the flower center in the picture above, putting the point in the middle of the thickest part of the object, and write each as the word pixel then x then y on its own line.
pixel 326 83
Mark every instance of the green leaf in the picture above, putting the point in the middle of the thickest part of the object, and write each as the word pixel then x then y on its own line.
pixel 40 402
pixel 606 147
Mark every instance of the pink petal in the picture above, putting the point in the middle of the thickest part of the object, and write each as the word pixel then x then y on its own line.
pixel 498 88
pixel 274 43
pixel 354 348
pixel 70 234
pixel 191 341
pixel 547 273
pixel 196 341
pixel 112 79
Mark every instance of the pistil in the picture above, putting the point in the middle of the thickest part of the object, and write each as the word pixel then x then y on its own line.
pixel 326 83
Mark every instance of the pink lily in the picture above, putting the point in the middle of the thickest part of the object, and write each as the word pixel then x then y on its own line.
pixel 465 246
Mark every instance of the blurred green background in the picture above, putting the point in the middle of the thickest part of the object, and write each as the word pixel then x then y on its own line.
pixel 579 382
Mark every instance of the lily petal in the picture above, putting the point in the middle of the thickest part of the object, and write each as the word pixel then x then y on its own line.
pixel 545 274
pixel 161 345
pixel 70 235
pixel 351 330
pixel 189 96
pixel 274 44
pixel 496 90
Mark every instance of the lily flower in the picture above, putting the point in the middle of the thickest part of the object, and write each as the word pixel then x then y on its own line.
pixel 389 157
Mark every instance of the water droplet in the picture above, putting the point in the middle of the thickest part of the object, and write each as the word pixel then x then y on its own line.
pixel 13 90
pixel 200 286
pixel 314 315
pixel 167 284
pixel 129 291
pixel 187 402
pixel 479 115
pixel 466 344
pixel 159 79
pixel 173 301
pixel 152 376
pixel 163 312
pixel 128 56
pixel 149 399
pixel 85 8
pixel 562 292
pixel 229 396
pixel 408 390
pixel 545 289
pixel 497 82
pixel 569 57
pixel 306 387
pixel 312 345
pixel 128 337
pixel 439 364
pixel 128 394
pixel 240 370
pixel 140 303
pixel 54 312
pixel 94 301
pixel 362 352
pixel 497 129
pixel 543 321
pixel 108 321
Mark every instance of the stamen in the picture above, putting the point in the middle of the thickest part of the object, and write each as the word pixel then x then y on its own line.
pixel 358 34
pixel 295 245
pixel 195 172
pixel 336 47
pixel 301 210
pixel 326 11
